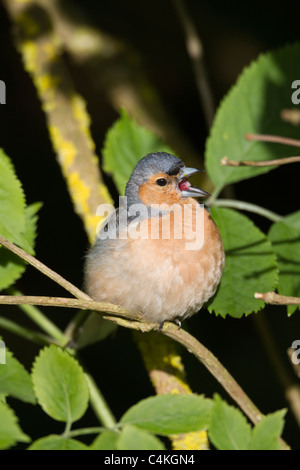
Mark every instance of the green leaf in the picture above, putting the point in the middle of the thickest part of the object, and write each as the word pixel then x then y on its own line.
pixel 94 329
pixel 11 268
pixel 105 441
pixel 266 433
pixel 55 442
pixel 285 238
pixel 60 384
pixel 170 414
pixel 254 105
pixel 133 438
pixel 10 431
pixel 29 233
pixel 17 223
pixel 250 265
pixel 12 200
pixel 15 380
pixel 125 144
pixel 229 429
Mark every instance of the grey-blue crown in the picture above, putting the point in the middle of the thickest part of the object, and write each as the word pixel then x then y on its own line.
pixel 148 166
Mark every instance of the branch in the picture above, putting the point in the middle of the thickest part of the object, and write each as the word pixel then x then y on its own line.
pixel 195 50
pixel 169 329
pixel 121 317
pixel 276 139
pixel 276 299
pixel 44 269
pixel 113 313
pixel 65 110
pixel 278 161
pixel 64 302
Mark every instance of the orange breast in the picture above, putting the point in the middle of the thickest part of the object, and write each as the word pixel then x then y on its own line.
pixel 166 273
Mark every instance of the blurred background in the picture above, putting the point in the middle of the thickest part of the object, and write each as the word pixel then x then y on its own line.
pixel 144 42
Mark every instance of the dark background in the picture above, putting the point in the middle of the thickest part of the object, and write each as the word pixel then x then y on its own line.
pixel 232 36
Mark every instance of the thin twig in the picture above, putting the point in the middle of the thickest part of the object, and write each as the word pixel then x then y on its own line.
pixel 279 161
pixel 276 299
pixel 195 50
pixel 291 115
pixel 276 139
pixel 44 269
pixel 63 302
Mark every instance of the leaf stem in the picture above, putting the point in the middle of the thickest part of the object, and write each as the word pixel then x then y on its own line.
pixel 214 195
pixel 85 431
pixel 41 320
pixel 26 333
pixel 99 404
pixel 247 206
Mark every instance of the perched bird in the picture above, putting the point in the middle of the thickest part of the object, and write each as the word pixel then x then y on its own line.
pixel 154 257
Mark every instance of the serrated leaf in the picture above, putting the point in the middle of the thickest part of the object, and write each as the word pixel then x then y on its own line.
pixel 29 234
pixel 285 239
pixel 228 429
pixel 133 438
pixel 12 201
pixel 254 105
pixel 266 433
pixel 11 268
pixel 17 223
pixel 15 380
pixel 105 441
pixel 170 414
pixel 10 431
pixel 60 385
pixel 55 442
pixel 250 265
pixel 125 144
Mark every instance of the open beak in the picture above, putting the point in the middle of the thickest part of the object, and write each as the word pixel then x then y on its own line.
pixel 185 187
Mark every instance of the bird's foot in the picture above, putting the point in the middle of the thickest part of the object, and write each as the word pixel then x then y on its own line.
pixel 176 321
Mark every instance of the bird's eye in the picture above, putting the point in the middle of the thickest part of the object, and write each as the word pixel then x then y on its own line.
pixel 161 182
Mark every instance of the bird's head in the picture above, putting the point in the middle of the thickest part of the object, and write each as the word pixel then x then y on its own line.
pixel 161 178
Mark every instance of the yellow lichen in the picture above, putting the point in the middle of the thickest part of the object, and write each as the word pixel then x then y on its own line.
pixel 104 194
pixel 80 193
pixel 176 362
pixel 51 52
pixel 82 117
pixel 49 106
pixel 191 441
pixel 47 83
pixel 65 149
pixel 91 224
pixel 29 51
